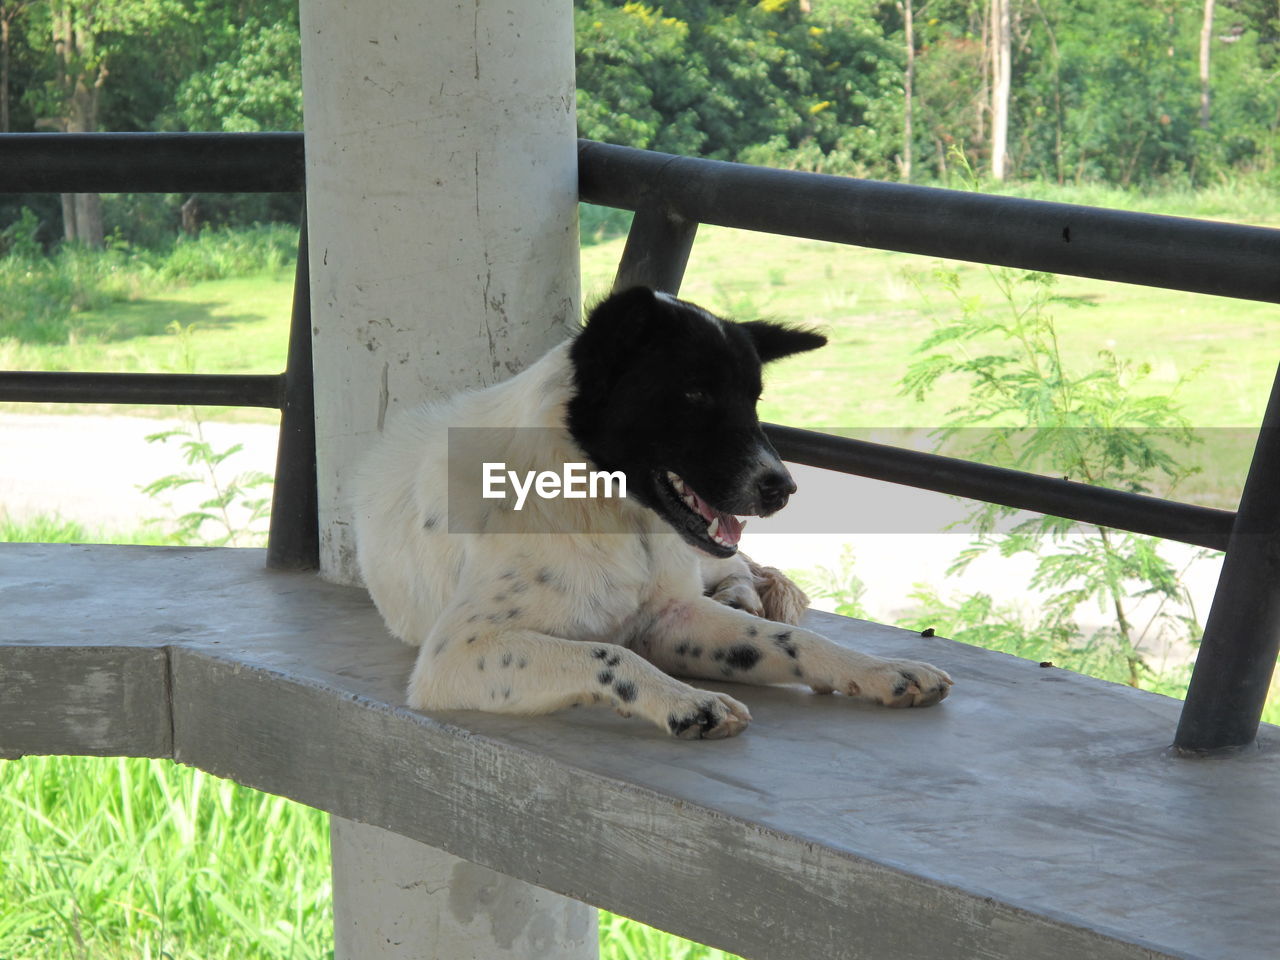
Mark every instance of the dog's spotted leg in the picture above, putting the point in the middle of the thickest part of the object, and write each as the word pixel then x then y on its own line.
pixel 701 638
pixel 485 665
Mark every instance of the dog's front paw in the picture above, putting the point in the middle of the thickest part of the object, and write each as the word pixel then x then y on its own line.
pixel 901 683
pixel 704 715
pixel 739 595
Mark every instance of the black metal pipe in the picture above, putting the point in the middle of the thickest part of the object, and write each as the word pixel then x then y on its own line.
pixel 1203 526
pixel 1172 252
pixel 657 250
pixel 197 389
pixel 294 539
pixel 151 163
pixel 1242 633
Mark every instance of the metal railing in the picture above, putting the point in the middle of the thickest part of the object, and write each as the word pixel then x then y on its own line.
pixel 671 196
pixel 190 163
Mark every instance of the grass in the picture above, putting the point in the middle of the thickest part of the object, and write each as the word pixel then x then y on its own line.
pixel 126 858
pixel 136 858
pixel 121 859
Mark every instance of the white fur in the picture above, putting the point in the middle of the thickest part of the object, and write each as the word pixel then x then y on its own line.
pixel 526 618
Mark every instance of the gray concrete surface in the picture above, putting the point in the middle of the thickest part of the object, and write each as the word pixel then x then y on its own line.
pixel 1034 814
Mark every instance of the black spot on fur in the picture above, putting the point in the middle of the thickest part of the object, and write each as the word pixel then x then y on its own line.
pixel 519 587
pixel 742 656
pixel 506 693
pixel 506 659
pixel 430 523
pixel 605 677
pixel 473 618
pixel 626 691
pixel 480 664
pixel 752 631
pixel 522 663
pixel 717 654
pixel 499 597
pixel 682 649
pixel 797 671
pixel 599 653
pixel 513 613
pixel 471 639
pixel 702 717
pixel 783 641
pixel 545 575
pixel 613 661
pixel 695 653
pixel 508 575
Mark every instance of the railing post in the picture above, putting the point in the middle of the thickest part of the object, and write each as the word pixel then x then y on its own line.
pixel 657 250
pixel 294 542
pixel 1242 634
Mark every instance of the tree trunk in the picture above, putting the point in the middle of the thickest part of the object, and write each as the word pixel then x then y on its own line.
pixel 81 212
pixel 908 29
pixel 5 19
pixel 1001 81
pixel 1206 41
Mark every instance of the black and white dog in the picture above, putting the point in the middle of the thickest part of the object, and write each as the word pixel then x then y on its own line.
pixel 568 601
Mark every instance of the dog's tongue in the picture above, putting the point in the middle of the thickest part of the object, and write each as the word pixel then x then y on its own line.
pixel 730 527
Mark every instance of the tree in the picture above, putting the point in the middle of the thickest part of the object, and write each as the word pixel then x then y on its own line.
pixel 1206 42
pixel 905 7
pixel 769 82
pixel 1001 45
pixel 255 83
pixel 9 13
pixel 80 37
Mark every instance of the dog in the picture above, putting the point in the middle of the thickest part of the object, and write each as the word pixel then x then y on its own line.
pixel 594 599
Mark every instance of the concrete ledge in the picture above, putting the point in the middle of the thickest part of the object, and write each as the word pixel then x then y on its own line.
pixel 1035 814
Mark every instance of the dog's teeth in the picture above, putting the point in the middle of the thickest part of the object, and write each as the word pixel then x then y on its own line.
pixel 713 528
pixel 690 502
pixel 676 481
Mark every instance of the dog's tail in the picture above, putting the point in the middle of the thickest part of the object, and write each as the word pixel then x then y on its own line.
pixel 782 599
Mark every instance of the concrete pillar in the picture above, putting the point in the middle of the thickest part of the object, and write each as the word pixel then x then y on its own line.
pixel 441 195
pixel 399 900
pixel 441 192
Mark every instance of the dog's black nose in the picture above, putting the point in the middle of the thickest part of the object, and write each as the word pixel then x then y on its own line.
pixel 775 487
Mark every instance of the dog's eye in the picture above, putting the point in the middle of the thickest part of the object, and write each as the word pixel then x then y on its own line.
pixel 697 397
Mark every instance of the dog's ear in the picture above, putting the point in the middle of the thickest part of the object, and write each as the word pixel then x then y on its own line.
pixel 773 341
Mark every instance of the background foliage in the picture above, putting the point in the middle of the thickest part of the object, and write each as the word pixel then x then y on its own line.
pixel 1101 90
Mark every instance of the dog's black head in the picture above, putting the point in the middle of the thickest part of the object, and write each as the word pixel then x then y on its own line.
pixel 666 392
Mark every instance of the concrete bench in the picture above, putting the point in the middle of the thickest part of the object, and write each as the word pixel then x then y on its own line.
pixel 1035 814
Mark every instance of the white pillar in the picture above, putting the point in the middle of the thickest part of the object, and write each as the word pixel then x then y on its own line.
pixel 399 900
pixel 441 195
pixel 441 192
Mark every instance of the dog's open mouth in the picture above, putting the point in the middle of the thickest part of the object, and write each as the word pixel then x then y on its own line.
pixel 703 525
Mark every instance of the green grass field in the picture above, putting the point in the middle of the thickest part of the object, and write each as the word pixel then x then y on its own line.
pixel 133 858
